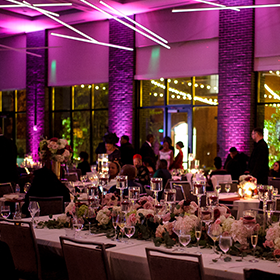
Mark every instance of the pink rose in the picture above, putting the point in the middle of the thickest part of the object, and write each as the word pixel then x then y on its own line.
pixel 269 243
pixel 276 252
pixel 166 217
pixel 148 205
pixel 218 221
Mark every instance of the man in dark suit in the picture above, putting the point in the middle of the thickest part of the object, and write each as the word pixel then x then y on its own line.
pixel 8 159
pixel 127 150
pixel 147 150
pixel 258 164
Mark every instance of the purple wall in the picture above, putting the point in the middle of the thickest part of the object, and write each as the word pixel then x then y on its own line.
pixel 236 51
pixel 13 64
pixel 72 62
pixel 35 91
pixel 121 72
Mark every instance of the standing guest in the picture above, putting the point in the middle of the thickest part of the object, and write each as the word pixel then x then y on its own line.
pixel 84 165
pixel 275 171
pixel 258 164
pixel 113 152
pixel 163 173
pixel 178 162
pixel 8 159
pixel 166 153
pixel 147 150
pixel 127 150
pixel 219 170
pixel 143 174
pixel 168 139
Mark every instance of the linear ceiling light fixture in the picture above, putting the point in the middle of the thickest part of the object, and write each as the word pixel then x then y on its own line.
pixel 90 41
pixel 19 50
pixel 134 22
pixel 214 4
pixel 37 5
pixel 274 94
pixel 124 23
pixel 225 8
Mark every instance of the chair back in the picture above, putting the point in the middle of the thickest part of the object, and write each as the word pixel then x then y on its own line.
pixel 275 182
pixel 85 262
pixel 71 176
pixel 233 187
pixel 6 188
pixel 23 246
pixel 49 205
pixel 219 179
pixel 255 274
pixel 165 265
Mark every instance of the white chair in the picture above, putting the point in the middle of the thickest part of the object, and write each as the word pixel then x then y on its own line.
pixel 221 179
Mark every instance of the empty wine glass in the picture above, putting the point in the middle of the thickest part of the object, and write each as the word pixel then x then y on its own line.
pixel 156 187
pixel 225 242
pixel 5 211
pixel 214 231
pixel 129 231
pixel 133 194
pixel 227 187
pixel 122 184
pixel 33 208
pixel 218 188
pixel 184 236
pixel 78 226
pixel 26 187
pixel 80 186
pixel 254 242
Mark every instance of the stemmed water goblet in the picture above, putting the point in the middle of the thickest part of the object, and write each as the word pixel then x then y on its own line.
pixel 33 208
pixel 78 226
pixel 170 197
pixel 156 187
pixel 104 180
pixel 184 236
pixel 129 230
pixel 225 242
pixel 218 189
pixel 80 186
pixel 249 219
pixel 26 187
pixel 133 194
pixel 214 231
pixel 122 184
pixel 254 242
pixel 227 187
pixel 199 189
pixel 5 211
pixel 94 179
pixel 212 198
pixel 125 206
pixel 207 215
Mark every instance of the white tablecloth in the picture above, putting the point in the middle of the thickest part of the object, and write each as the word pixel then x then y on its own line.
pixel 128 261
pixel 245 204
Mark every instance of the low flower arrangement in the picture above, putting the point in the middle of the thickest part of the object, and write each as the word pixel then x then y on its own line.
pixel 55 149
pixel 161 225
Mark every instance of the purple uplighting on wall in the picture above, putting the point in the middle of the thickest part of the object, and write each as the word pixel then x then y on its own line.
pixel 236 52
pixel 35 91
pixel 121 74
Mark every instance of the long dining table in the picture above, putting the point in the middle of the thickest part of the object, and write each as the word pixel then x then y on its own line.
pixel 128 260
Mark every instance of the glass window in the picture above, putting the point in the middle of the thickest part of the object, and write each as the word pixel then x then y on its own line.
pixel 270 87
pixel 205 134
pixel 8 100
pixel 100 96
pixel 206 90
pixel 151 121
pixel 62 98
pixel 152 93
pixel 82 97
pixel 62 125
pixel 21 134
pixel 179 91
pixel 21 100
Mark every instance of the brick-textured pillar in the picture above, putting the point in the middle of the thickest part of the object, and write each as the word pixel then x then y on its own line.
pixel 236 94
pixel 121 74
pixel 35 90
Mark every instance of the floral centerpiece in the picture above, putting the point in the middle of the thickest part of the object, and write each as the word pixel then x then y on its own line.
pixel 248 185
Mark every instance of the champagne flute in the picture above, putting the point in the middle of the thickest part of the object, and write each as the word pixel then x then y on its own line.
pixel 33 208
pixel 5 211
pixel 198 230
pixel 115 225
pixel 225 242
pixel 254 242
pixel 121 223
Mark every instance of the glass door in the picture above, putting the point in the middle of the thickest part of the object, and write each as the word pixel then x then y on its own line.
pixel 179 128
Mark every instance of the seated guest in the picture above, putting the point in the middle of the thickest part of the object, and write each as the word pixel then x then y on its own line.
pixel 127 150
pixel 275 171
pixel 129 171
pixel 178 161
pixel 84 165
pixel 113 152
pixel 114 170
pixel 45 184
pixel 219 170
pixel 143 175
pixel 147 162
pixel 163 173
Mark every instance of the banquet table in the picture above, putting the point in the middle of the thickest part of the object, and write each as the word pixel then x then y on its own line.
pixel 128 260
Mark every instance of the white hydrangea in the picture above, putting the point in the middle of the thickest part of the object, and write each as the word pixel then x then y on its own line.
pixel 227 223
pixel 103 216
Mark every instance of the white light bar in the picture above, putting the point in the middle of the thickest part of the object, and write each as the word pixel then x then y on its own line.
pixel 214 4
pixel 90 41
pixel 224 8
pixel 53 5
pixel 18 50
pixel 274 94
pixel 12 6
pixel 126 24
pixel 133 21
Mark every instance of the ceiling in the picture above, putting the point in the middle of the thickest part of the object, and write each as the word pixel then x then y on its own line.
pixel 23 19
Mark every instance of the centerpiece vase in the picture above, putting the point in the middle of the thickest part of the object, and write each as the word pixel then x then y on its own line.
pixel 56 167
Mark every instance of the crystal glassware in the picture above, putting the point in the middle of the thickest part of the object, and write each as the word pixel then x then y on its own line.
pixel 133 194
pixel 170 197
pixel 207 215
pixel 199 189
pixel 198 231
pixel 214 231
pixel 129 231
pixel 78 226
pixel 103 180
pixel 122 184
pixel 5 211
pixel 227 187
pixel 249 219
pixel 254 242
pixel 212 198
pixel 225 242
pixel 156 187
pixel 33 208
pixel 121 221
pixel 115 225
pixel 184 236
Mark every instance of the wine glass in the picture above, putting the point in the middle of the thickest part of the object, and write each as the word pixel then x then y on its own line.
pixel 80 186
pixel 227 187
pixel 199 190
pixel 198 230
pixel 249 219
pixel 214 231
pixel 133 194
pixel 170 197
pixel 218 189
pixel 184 236
pixel 225 242
pixel 104 180
pixel 122 184
pixel 156 187
pixel 129 231
pixel 78 226
pixel 207 215
pixel 5 211
pixel 212 198
pixel 125 206
pixel 121 223
pixel 33 208
pixel 254 242
pixel 26 187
